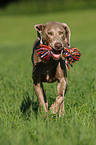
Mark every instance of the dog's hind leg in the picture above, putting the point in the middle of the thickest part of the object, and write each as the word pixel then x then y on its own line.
pixel 40 94
pixel 45 98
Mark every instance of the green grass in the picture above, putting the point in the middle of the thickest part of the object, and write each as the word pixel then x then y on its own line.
pixel 78 126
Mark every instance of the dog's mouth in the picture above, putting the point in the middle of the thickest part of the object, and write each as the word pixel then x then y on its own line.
pixel 49 51
pixel 56 53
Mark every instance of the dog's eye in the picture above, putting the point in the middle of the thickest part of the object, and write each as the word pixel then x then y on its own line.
pixel 50 33
pixel 60 32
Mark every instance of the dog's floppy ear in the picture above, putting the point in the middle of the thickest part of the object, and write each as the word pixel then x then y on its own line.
pixel 68 33
pixel 39 27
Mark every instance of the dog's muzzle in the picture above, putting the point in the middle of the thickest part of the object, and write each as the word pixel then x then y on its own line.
pixel 56 51
pixel 58 46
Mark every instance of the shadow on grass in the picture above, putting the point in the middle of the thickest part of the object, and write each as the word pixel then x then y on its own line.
pixel 28 105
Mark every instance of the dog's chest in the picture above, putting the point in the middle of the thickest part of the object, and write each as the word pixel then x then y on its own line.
pixel 48 72
pixel 50 75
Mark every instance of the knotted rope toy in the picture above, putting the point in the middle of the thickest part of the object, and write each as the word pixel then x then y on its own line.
pixel 70 54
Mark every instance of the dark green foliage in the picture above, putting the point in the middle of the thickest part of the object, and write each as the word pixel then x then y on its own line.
pixel 25 7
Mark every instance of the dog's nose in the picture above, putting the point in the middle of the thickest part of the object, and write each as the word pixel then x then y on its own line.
pixel 58 45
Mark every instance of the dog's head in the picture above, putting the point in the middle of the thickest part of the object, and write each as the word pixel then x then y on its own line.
pixel 55 34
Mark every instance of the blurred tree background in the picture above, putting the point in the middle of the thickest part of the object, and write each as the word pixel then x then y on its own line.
pixel 3 3
pixel 43 6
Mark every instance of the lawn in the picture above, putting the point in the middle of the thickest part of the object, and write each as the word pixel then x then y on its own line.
pixel 26 127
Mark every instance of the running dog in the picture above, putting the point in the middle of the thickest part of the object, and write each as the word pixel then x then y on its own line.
pixel 57 36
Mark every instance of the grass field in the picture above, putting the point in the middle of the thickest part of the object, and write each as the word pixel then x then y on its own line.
pixel 78 126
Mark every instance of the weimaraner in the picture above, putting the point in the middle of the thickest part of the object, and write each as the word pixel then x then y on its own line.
pixel 57 36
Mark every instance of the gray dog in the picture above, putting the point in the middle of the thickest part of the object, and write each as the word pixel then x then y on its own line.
pixel 57 36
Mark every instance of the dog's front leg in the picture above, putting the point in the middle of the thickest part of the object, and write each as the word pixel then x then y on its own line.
pixel 62 109
pixel 58 105
pixel 40 94
pixel 61 88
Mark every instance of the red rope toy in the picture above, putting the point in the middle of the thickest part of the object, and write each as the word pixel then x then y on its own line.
pixel 70 54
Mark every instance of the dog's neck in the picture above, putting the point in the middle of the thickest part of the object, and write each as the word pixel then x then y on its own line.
pixel 39 37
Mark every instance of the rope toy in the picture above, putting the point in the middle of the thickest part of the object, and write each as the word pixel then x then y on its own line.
pixel 70 54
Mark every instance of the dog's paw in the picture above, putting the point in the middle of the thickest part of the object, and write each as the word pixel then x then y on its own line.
pixel 56 105
pixel 62 110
